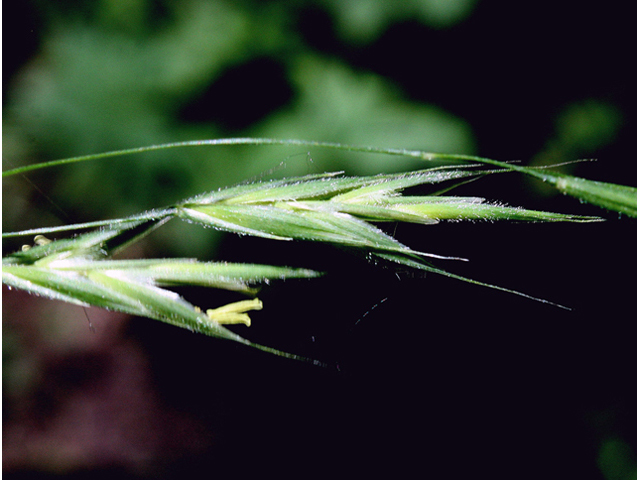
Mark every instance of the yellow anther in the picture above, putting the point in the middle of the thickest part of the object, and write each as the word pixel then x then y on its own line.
pixel 41 240
pixel 234 313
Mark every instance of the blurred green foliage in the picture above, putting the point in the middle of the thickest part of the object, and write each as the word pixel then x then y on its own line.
pixel 616 460
pixel 364 20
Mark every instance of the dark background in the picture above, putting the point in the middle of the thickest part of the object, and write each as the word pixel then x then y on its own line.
pixel 426 375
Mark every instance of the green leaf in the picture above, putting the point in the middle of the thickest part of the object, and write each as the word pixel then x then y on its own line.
pixel 618 198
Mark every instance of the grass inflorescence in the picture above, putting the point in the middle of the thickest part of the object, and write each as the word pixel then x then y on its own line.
pixel 328 208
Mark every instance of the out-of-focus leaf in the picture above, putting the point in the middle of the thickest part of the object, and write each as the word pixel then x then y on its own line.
pixel 364 20
pixel 335 102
